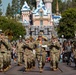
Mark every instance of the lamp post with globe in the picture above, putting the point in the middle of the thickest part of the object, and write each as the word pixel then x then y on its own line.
pixel 62 39
pixel 20 37
pixel 75 35
pixel 0 31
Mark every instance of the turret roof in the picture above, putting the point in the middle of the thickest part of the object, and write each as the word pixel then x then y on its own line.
pixel 41 6
pixel 25 7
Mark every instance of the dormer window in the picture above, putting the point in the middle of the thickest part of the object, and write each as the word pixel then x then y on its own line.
pixel 41 14
pixel 41 22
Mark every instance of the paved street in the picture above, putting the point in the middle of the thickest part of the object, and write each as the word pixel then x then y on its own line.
pixel 63 70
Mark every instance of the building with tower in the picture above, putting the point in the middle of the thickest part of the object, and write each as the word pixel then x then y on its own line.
pixel 25 13
pixel 41 18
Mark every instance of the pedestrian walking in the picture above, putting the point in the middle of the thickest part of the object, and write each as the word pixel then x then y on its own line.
pixel 69 51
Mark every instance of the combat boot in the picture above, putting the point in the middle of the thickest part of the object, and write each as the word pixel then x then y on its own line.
pixel 26 70
pixel 55 69
pixel 1 70
pixel 41 70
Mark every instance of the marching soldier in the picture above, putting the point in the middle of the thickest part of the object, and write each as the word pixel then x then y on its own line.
pixel 54 53
pixel 40 51
pixel 20 52
pixel 27 55
pixel 32 52
pixel 4 56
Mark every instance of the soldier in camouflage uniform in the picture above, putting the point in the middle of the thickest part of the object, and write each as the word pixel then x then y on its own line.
pixel 54 53
pixel 20 52
pixel 28 55
pixel 4 56
pixel 32 52
pixel 40 52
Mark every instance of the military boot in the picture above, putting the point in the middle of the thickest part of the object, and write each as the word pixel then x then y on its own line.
pixel 1 70
pixel 41 70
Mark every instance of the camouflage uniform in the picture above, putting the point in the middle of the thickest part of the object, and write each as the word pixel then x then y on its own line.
pixel 3 53
pixel 26 59
pixel 54 53
pixel 33 56
pixel 32 65
pixel 41 53
pixel 28 55
pixel 1 62
pixel 20 52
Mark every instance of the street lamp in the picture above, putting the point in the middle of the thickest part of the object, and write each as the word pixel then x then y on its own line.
pixel 62 39
pixel 0 31
pixel 20 36
pixel 75 34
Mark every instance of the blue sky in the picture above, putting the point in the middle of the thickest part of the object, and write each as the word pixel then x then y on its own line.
pixel 4 5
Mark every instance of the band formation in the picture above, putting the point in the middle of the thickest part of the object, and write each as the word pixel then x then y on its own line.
pixel 29 51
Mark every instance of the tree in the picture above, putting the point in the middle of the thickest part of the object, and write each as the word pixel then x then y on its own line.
pixel 74 3
pixel 33 3
pixel 17 6
pixel 0 8
pixel 8 11
pixel 21 4
pixel 14 7
pixel 12 28
pixel 67 25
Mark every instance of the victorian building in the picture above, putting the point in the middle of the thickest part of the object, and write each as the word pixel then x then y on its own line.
pixel 38 20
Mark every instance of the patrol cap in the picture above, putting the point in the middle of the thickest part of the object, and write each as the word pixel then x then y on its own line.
pixel 40 34
pixel 27 39
pixel 54 37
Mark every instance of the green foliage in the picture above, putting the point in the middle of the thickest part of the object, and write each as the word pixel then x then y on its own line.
pixel 33 3
pixel 21 3
pixel 12 27
pixel 9 11
pixel 74 3
pixel 0 1
pixel 67 25
pixel 17 6
pixel 14 8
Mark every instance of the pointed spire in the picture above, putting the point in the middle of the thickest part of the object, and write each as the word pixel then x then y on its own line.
pixel 41 6
pixel 25 7
pixel 57 8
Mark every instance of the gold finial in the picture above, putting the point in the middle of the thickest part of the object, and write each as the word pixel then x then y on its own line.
pixel 57 8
